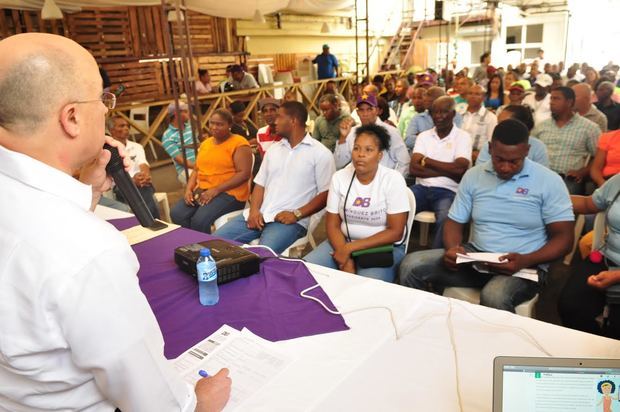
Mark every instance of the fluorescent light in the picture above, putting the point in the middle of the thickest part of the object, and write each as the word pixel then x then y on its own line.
pixel 50 11
pixel 258 17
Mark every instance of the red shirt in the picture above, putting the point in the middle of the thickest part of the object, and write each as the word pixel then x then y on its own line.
pixel 265 138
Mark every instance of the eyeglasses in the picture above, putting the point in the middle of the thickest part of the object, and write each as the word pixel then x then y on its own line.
pixel 107 98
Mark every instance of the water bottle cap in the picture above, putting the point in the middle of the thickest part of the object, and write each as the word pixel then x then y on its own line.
pixel 205 252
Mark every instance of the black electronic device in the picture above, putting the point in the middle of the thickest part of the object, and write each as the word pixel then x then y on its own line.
pixel 233 262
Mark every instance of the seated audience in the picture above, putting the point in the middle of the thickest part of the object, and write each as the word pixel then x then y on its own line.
pixel 569 138
pixel 182 153
pixel 327 125
pixel 77 332
pixel 440 158
pixel 242 80
pixel 556 80
pixel 266 135
pixel 463 85
pixel 383 111
pixel 290 186
pixel 583 299
pixel 378 82
pixel 367 207
pixel 584 106
pixel 478 121
pixel 540 100
pixel 241 126
pixel 516 207
pixel 389 93
pixel 424 120
pixel 139 169
pixel 400 100
pixel 371 90
pixel 606 162
pixel 396 157
pixel 537 152
pixel 516 94
pixel 412 108
pixel 605 104
pixel 219 183
pixel 331 87
pixel 494 97
pixel 203 84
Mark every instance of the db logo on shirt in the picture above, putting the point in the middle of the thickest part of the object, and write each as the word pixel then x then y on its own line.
pixel 522 191
pixel 362 202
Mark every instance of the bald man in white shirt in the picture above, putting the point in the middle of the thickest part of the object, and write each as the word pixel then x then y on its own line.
pixel 77 333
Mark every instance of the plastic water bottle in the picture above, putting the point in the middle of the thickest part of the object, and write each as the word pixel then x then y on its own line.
pixel 206 271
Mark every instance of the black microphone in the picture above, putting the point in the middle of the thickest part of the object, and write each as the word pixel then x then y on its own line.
pixel 125 184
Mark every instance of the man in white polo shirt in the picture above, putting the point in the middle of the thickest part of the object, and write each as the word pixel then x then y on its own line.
pixel 440 158
pixel 540 101
pixel 290 186
pixel 396 157
pixel 139 169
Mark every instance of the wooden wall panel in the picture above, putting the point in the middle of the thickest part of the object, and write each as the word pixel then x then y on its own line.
pixel 104 31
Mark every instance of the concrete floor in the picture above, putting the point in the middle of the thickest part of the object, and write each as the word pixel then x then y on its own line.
pixel 164 179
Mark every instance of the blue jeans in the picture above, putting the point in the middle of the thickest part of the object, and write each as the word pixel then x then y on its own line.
pixel 114 204
pixel 277 236
pixel 419 269
pixel 322 256
pixel 201 218
pixel 437 200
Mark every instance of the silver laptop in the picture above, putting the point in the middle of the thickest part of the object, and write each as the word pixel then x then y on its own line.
pixel 555 384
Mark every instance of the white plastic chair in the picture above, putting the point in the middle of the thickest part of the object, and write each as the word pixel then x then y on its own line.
pixel 140 116
pixel 410 218
pixel 472 295
pixel 301 243
pixel 164 206
pixel 425 219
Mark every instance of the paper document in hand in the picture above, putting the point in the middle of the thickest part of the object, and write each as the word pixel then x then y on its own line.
pixel 529 274
pixel 479 257
pixel 252 362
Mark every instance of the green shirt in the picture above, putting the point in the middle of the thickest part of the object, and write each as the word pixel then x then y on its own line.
pixel 406 115
pixel 328 132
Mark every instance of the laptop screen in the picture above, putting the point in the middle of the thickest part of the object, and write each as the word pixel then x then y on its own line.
pixel 550 388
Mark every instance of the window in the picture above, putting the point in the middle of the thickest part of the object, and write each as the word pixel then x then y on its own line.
pixel 534 33
pixel 513 35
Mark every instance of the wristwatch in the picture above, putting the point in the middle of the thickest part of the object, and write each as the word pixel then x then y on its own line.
pixel 423 161
pixel 297 214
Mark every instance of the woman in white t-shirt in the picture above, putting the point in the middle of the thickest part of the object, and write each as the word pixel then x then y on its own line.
pixel 376 208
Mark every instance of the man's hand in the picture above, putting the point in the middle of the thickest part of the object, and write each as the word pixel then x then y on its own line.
pixel 345 128
pixel 94 173
pixel 142 179
pixel 286 218
pixel 255 220
pixel 511 264
pixel 212 393
pixel 207 196
pixel 604 279
pixel 449 257
pixel 342 255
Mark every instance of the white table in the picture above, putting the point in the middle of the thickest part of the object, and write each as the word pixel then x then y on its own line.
pixel 367 369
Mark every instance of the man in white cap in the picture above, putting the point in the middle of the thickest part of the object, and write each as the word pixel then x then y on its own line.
pixel 540 100
pixel 171 141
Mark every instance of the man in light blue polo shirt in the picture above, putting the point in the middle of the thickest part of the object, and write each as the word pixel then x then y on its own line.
pixel 538 150
pixel 517 207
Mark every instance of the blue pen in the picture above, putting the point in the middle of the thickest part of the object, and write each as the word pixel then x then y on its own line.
pixel 202 373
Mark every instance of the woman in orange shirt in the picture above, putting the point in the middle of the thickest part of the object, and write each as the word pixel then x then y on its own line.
pixel 219 183
pixel 607 159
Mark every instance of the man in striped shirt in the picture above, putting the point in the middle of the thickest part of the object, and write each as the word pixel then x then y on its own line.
pixel 171 141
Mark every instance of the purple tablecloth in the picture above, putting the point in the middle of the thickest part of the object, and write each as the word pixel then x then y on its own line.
pixel 267 303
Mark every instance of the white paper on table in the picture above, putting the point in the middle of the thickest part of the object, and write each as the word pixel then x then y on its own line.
pixel 138 234
pixel 190 362
pixel 251 360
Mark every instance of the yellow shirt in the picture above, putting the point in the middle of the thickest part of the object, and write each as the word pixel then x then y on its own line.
pixel 215 165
